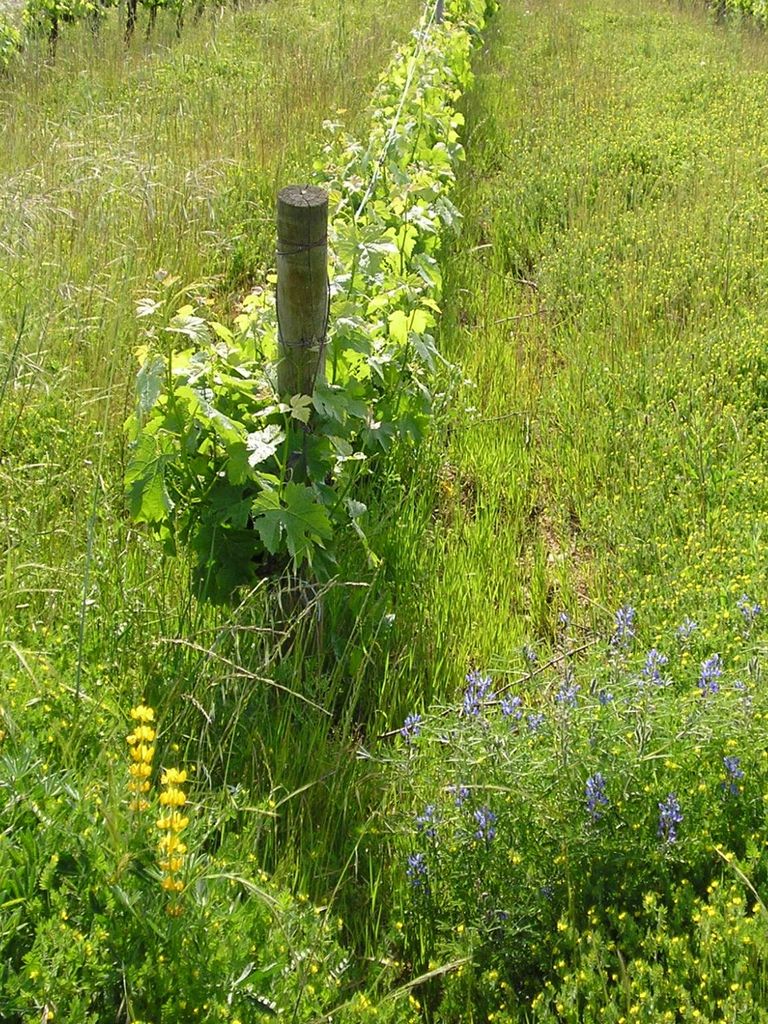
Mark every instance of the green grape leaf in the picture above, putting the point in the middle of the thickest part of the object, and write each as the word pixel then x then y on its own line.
pixel 319 456
pixel 145 480
pixel 301 408
pixel 297 519
pixel 237 463
pixel 262 444
pixel 224 560
pixel 402 324
pixel 149 382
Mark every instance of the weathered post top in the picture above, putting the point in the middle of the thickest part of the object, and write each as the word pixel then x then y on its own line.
pixel 302 287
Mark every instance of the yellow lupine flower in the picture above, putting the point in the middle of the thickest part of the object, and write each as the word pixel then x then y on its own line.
pixel 142 752
pixel 175 822
pixel 172 797
pixel 172 844
pixel 143 713
pixel 170 847
pixel 172 864
pixel 141 734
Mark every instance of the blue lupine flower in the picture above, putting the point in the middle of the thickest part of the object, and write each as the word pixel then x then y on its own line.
pixel 511 707
pixel 623 628
pixel 711 671
pixel 595 794
pixel 477 692
pixel 427 821
pixel 670 816
pixel 605 697
pixel 411 728
pixel 654 662
pixel 749 611
pixel 567 694
pixel 417 870
pixel 485 819
pixel 746 697
pixel 535 721
pixel 460 794
pixel 530 655
pixel 735 774
pixel 564 619
pixel 687 628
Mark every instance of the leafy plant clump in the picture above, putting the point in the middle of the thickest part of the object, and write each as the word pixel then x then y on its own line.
pixel 549 829
pixel 757 8
pixel 130 895
pixel 247 478
pixel 10 43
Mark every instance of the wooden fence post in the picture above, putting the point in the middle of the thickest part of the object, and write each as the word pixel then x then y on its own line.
pixel 302 287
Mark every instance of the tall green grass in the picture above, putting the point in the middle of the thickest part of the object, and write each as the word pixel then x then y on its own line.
pixel 605 307
pixel 120 168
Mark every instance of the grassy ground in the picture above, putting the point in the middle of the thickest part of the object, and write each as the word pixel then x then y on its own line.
pixel 605 306
pixel 115 166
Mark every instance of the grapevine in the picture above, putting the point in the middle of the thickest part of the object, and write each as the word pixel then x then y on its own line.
pixel 249 480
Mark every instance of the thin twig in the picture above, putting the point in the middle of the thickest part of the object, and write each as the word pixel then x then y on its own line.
pixel 244 672
pixel 515 682
pixel 549 664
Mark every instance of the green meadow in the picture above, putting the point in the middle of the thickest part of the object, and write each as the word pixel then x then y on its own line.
pixel 505 761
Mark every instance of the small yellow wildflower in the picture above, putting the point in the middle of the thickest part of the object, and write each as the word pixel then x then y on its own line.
pixel 140 742
pixel 172 797
pixel 170 846
pixel 175 822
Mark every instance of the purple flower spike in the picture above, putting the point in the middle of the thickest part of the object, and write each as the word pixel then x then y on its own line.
pixel 623 628
pixel 511 708
pixel 670 816
pixel 735 774
pixel 411 728
pixel 595 794
pixel 485 819
pixel 711 671
pixel 478 691
pixel 686 629
pixel 417 871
